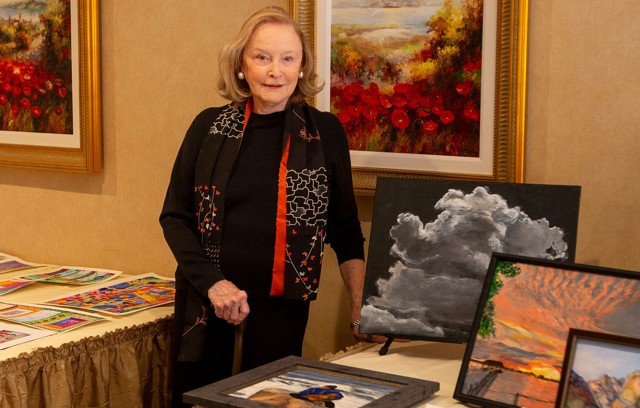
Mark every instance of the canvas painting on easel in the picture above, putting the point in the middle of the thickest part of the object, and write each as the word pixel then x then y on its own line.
pixel 432 240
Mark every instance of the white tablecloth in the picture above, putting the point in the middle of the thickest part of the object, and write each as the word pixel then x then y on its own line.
pixel 122 362
pixel 37 292
pixel 431 361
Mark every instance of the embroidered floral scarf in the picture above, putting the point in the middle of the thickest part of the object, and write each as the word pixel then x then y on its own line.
pixel 303 195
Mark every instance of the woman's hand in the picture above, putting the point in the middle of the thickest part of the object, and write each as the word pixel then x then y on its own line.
pixel 369 338
pixel 229 302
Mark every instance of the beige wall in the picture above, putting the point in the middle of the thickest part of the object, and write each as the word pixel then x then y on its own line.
pixel 158 71
pixel 584 119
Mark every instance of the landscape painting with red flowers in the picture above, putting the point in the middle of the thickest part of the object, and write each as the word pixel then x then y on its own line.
pixel 35 66
pixel 406 75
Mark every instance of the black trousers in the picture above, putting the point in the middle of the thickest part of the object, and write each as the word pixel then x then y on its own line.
pixel 274 329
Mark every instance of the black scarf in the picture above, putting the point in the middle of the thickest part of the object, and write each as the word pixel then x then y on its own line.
pixel 303 195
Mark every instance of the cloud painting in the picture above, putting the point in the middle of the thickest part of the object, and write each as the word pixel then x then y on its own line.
pixel 432 241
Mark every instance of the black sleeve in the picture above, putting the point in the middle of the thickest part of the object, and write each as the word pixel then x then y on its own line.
pixel 344 233
pixel 178 213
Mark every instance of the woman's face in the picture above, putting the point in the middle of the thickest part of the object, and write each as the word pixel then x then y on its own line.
pixel 271 64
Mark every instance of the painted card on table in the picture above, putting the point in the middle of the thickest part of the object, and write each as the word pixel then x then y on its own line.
pixel 72 276
pixel 13 335
pixel 123 297
pixel 15 264
pixel 7 286
pixel 46 318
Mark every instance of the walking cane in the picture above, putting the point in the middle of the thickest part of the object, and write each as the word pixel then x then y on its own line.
pixel 237 348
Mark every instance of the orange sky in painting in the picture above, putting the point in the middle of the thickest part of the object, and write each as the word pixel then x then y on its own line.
pixel 535 311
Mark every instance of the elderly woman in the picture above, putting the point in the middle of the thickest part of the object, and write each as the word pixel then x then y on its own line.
pixel 257 189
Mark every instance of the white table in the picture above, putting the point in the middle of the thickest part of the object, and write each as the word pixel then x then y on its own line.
pixel 124 361
pixel 431 361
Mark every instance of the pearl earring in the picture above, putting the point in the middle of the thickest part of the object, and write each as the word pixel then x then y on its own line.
pixel 240 76
pixel 301 74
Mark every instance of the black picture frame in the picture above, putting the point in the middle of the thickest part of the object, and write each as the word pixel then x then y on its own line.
pixel 599 363
pixel 408 391
pixel 515 354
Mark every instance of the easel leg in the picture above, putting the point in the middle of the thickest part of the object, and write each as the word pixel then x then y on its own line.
pixel 384 349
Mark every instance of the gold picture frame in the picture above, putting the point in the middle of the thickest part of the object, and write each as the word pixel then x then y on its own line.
pixel 83 154
pixel 506 136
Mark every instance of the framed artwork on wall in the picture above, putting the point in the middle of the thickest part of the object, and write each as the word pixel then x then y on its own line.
pixel 516 351
pixel 430 248
pixel 417 100
pixel 600 370
pixel 297 382
pixel 50 115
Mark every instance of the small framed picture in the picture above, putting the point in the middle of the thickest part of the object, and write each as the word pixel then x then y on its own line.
pixel 600 370
pixel 298 382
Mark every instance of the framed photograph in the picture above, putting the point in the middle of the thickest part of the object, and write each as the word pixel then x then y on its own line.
pixel 431 245
pixel 516 351
pixel 50 115
pixel 430 89
pixel 600 370
pixel 298 382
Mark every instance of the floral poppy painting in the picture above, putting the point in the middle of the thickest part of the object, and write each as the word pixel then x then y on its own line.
pixel 35 67
pixel 49 85
pixel 406 75
pixel 424 87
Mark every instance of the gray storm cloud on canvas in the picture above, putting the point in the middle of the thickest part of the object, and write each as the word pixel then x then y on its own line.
pixel 431 244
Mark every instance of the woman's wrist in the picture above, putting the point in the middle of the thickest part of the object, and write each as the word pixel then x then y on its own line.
pixel 354 324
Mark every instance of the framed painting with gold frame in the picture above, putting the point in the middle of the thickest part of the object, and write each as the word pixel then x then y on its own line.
pixel 500 155
pixel 50 89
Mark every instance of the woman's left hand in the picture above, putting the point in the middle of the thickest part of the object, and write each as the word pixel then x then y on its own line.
pixel 369 338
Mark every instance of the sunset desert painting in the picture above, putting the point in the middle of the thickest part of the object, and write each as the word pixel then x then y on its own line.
pixel 516 352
